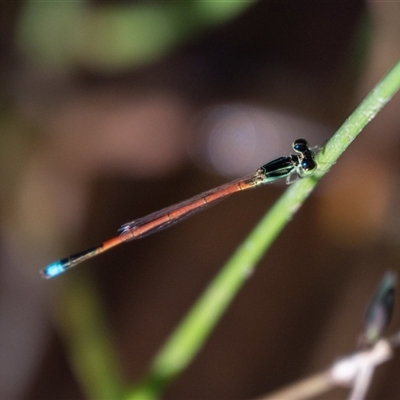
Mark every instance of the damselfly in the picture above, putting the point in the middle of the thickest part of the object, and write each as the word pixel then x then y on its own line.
pixel 302 163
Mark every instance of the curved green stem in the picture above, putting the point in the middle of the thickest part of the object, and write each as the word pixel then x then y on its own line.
pixel 190 335
pixel 90 349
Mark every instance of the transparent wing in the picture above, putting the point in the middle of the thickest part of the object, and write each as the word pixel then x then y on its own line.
pixel 171 215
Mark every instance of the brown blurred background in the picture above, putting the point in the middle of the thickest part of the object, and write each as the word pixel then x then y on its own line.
pixel 112 110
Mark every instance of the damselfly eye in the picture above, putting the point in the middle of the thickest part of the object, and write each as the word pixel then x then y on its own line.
pixel 300 145
pixel 308 165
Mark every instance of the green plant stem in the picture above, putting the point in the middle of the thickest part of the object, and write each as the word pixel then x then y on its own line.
pixel 190 335
pixel 90 349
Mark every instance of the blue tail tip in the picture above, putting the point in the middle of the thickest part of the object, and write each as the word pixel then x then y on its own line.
pixel 52 270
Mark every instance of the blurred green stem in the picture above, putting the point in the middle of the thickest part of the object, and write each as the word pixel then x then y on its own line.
pixel 190 335
pixel 90 349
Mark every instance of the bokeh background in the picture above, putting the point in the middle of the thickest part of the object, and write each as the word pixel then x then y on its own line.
pixel 111 110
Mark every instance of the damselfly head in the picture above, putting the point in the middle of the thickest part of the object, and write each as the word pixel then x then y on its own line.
pixel 308 166
pixel 300 145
